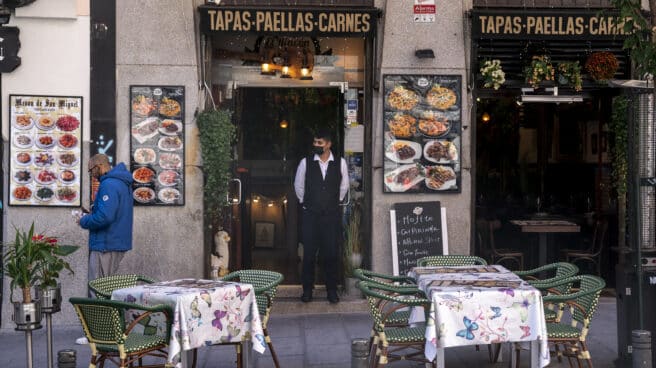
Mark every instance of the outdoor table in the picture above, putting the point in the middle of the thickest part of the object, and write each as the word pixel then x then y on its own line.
pixel 473 305
pixel 543 228
pixel 206 312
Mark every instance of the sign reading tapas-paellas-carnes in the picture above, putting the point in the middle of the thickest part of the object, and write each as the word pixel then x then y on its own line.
pixel 422 128
pixel 157 144
pixel 45 150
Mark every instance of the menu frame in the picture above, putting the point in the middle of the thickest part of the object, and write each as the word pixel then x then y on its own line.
pixel 422 111
pixel 151 142
pixel 42 110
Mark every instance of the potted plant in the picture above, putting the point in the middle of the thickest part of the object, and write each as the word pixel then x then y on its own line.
pixel 49 289
pixel 352 247
pixel 569 73
pixel 539 70
pixel 493 75
pixel 601 65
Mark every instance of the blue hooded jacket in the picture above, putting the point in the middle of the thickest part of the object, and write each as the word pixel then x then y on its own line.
pixel 110 220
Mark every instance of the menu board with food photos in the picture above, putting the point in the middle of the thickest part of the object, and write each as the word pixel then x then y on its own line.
pixel 422 128
pixel 45 150
pixel 157 144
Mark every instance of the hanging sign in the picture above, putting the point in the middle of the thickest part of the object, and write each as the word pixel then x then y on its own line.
pixel 424 11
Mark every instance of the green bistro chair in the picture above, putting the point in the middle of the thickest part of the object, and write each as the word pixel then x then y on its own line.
pixel 103 286
pixel 451 260
pixel 265 284
pixel 111 336
pixel 555 272
pixel 391 343
pixel 398 318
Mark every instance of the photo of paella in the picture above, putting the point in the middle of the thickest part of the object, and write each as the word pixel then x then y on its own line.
pixel 441 97
pixel 402 98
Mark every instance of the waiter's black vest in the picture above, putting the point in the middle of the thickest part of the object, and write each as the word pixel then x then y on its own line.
pixel 322 195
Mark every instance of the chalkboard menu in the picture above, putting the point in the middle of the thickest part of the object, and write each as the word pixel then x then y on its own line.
pixel 417 231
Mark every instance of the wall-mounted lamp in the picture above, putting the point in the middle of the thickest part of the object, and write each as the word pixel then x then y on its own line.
pixel 283 124
pixel 485 117
pixel 285 71
pixel 425 54
pixel 305 73
pixel 266 69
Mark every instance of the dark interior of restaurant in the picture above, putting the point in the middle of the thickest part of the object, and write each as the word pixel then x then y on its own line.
pixel 544 161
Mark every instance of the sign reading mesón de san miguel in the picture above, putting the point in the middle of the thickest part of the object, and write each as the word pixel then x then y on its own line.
pixel 329 22
pixel 488 24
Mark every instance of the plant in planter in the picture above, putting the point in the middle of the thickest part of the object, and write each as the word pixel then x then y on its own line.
pixel 539 70
pixel 493 75
pixel 352 253
pixel 601 66
pixel 569 73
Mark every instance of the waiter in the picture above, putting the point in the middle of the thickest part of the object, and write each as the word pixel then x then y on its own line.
pixel 321 183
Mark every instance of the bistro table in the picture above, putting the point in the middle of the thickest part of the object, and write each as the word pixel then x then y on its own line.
pixel 206 312
pixel 474 305
pixel 543 228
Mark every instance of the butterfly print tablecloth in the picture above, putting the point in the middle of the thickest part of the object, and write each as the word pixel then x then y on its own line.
pixel 480 305
pixel 206 312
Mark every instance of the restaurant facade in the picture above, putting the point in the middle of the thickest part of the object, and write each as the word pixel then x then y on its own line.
pixel 398 83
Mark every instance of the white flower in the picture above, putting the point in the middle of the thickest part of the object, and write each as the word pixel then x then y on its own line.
pixel 493 73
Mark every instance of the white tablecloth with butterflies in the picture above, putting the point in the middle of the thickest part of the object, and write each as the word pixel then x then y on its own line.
pixel 206 312
pixel 480 305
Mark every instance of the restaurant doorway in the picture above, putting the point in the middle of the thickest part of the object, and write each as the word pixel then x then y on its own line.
pixel 275 127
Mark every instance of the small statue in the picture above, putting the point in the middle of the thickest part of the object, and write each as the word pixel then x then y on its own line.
pixel 221 255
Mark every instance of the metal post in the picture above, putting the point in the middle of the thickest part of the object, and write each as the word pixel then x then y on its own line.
pixel 28 347
pixel 641 343
pixel 359 353
pixel 49 335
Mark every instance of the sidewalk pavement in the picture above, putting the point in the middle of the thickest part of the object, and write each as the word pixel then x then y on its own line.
pixel 312 341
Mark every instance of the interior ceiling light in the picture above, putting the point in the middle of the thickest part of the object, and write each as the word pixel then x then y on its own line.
pixel 284 124
pixel 485 117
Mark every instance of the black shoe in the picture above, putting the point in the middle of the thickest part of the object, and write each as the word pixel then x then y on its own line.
pixel 332 297
pixel 306 297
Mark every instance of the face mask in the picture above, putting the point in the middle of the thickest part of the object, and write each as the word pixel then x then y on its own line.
pixel 317 150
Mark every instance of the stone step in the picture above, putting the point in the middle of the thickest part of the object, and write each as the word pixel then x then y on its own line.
pixel 288 301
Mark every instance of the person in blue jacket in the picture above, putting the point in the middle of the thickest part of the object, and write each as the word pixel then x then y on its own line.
pixel 110 220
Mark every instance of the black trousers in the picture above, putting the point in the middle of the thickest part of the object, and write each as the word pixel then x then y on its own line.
pixel 320 232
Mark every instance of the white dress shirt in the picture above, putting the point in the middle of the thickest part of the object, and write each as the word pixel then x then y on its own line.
pixel 299 181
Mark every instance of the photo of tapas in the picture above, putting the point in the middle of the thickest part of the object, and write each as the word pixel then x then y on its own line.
pixel 144 156
pixel 433 125
pixel 67 123
pixel 441 97
pixel 402 125
pixel 167 178
pixel 43 159
pixel 22 193
pixel 170 127
pixel 23 141
pixel 145 129
pixel 404 177
pixel 142 105
pixel 169 143
pixel 67 176
pixel 45 122
pixel 440 151
pixel 45 177
pixel 143 175
pixel 170 160
pixel 67 141
pixel 66 194
pixel 402 98
pixel 402 151
pixel 169 107
pixel 67 159
pixel 168 195
pixel 440 177
pixel 45 141
pixel 143 195
pixel 23 122
pixel 44 194
pixel 23 158
pixel 23 176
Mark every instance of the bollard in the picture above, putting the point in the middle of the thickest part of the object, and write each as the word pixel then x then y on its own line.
pixel 359 353
pixel 66 358
pixel 641 343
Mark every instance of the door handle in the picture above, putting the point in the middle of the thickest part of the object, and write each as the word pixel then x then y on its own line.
pixel 238 199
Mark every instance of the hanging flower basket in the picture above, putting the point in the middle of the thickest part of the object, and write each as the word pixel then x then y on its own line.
pixel 601 65
pixel 570 74
pixel 539 70
pixel 493 75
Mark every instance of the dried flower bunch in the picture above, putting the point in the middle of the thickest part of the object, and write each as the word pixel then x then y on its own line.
pixel 539 70
pixel 570 73
pixel 493 74
pixel 601 65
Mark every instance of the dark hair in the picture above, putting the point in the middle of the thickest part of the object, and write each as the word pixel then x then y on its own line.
pixel 324 134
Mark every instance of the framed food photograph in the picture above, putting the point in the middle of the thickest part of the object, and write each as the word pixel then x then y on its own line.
pixel 45 150
pixel 157 145
pixel 422 130
pixel 265 234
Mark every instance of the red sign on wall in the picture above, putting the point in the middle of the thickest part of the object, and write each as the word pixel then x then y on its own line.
pixel 424 11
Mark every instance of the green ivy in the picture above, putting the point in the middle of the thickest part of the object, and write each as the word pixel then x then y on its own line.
pixel 638 41
pixel 217 134
pixel 618 123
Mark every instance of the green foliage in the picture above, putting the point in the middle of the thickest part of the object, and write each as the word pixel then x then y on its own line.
pixel 353 241
pixel 619 127
pixel 217 134
pixel 638 41
pixel 570 73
